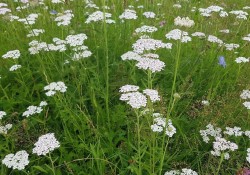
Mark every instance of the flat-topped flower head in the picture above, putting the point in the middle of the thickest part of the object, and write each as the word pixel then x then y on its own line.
pixel 98 16
pixel 53 87
pixel 242 60
pixel 146 29
pixel 16 161
pixel 76 40
pixel 149 14
pixel 128 88
pixel 45 144
pixel 14 54
pixel 2 114
pixel 178 34
pixel 153 65
pixel 128 14
pixel 183 22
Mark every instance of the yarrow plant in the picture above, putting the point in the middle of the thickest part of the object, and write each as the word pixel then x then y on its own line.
pixel 184 171
pixel 53 87
pixel 16 161
pixel 45 144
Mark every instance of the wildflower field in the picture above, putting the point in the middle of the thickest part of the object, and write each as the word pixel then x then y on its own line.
pixel 124 87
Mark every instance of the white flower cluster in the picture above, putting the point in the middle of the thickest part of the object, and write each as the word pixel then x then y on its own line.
pixel 240 14
pixel 246 38
pixel 210 131
pixel 199 34
pixel 137 99
pixel 183 22
pixel 35 32
pixel 235 131
pixel 178 6
pixel 208 11
pixel 205 102
pixel 247 133
pixel 231 46
pixel 130 55
pixel 99 16
pixel 149 14
pixel 146 29
pixel 36 46
pixel 45 144
pixel 178 34
pixel 77 42
pixel 247 104
pixel 90 4
pixel 221 145
pixel 14 54
pixel 184 171
pixel 15 67
pixel 2 114
pixel 153 94
pixel 16 161
pixel 225 31
pixel 57 1
pixel 129 88
pixel 31 110
pixel 148 44
pixel 154 65
pixel 245 94
pixel 4 129
pixel 3 9
pixel 242 60
pixel 161 125
pixel 248 155
pixel 128 14
pixel 214 39
pixel 65 18
pixel 53 87
pixel 29 20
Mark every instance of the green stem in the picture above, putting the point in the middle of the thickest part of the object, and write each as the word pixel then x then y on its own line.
pixel 221 160
pixel 138 141
pixel 52 165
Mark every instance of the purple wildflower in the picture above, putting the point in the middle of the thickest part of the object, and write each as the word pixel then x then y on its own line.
pixel 222 61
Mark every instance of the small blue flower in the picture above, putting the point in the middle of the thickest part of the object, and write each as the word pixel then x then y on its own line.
pixel 222 61
pixel 53 12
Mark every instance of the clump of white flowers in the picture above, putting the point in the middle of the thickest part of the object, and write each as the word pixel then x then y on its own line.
pixel 130 55
pixel 137 99
pixel 65 18
pixel 221 146
pixel 99 16
pixel 15 67
pixel 149 44
pixel 184 171
pixel 183 22
pixel 247 104
pixel 45 144
pixel 128 14
pixel 29 20
pixel 242 60
pixel 248 155
pixel 246 38
pixel 4 9
pixel 214 39
pixel 76 40
pixel 154 65
pixel 160 124
pixel 149 14
pixel 205 102
pixel 225 31
pixel 5 128
pixel 2 114
pixel 210 131
pixel 209 10
pixel 14 54
pixel 235 131
pixel 245 94
pixel 178 34
pixel 31 110
pixel 16 161
pixel 240 14
pixel 146 29
pixel 199 34
pixel 53 87
pixel 231 46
